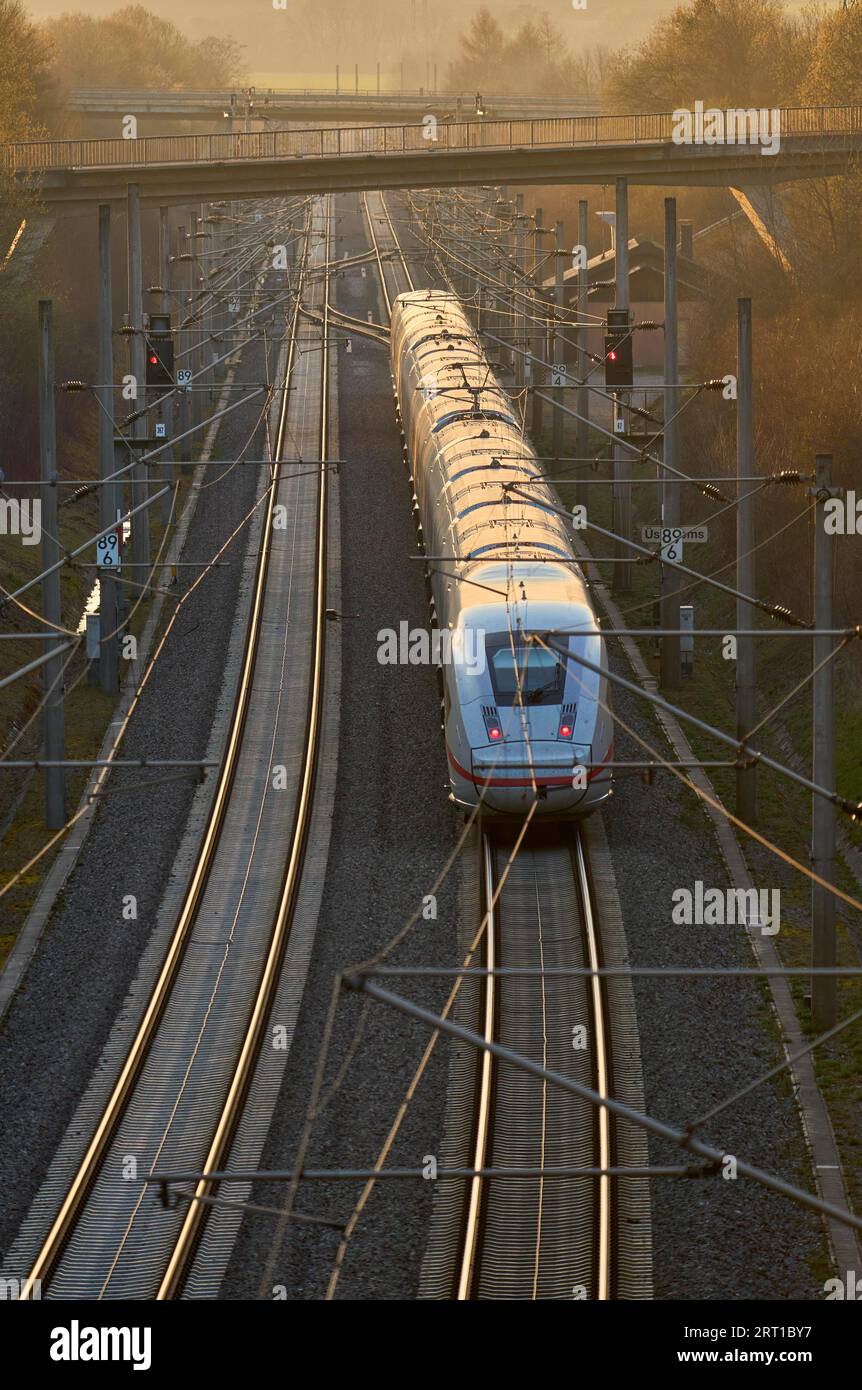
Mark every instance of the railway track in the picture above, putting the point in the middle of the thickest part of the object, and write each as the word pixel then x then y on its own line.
pixel 395 277
pixel 182 1081
pixel 524 1227
pixel 540 1238
pixel 538 1235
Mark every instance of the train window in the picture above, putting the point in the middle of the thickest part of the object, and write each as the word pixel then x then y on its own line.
pixel 540 674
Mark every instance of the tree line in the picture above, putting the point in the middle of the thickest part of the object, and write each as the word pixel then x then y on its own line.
pixel 722 52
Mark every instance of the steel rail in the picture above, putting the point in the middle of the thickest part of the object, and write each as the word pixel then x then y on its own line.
pixel 73 1203
pixel 396 240
pixel 478 1243
pixel 377 252
pixel 486 1082
pixel 601 1042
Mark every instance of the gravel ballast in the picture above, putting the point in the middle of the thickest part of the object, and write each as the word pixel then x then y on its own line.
pixel 53 1034
pixel 392 829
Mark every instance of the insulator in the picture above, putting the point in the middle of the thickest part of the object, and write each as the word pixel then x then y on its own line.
pixel 710 490
pixel 782 614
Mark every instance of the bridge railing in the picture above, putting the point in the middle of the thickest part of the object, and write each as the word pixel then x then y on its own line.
pixel 84 97
pixel 333 142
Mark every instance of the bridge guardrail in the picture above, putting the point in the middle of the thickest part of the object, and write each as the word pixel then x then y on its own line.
pixel 329 142
pixel 263 94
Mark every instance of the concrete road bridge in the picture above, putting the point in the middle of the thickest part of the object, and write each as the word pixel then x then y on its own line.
pixel 814 142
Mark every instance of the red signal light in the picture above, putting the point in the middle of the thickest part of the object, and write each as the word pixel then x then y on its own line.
pixel 154 361
pixel 612 357
pixel 493 733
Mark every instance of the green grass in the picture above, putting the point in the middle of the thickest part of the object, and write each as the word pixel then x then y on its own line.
pixel 87 710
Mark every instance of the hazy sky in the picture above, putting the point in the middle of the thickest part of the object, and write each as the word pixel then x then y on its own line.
pixel 314 35
pixel 311 36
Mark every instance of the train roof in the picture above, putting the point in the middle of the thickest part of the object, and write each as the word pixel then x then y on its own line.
pixel 542 595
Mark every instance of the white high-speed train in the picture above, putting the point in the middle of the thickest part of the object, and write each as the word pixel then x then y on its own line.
pixel 522 723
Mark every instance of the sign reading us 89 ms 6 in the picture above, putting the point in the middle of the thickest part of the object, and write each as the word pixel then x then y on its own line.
pixel 671 539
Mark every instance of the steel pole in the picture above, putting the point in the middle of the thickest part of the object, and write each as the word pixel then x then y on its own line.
pixel 670 499
pixel 52 685
pixel 622 581
pixel 205 319
pixel 509 302
pixel 746 703
pixel 196 397
pixel 108 666
pixel 538 374
pixel 167 408
pixel 583 398
pixel 519 316
pixel 183 342
pixel 823 939
pixel 558 362
pixel 137 366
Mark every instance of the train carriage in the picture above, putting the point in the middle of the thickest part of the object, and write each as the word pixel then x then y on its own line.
pixel 521 723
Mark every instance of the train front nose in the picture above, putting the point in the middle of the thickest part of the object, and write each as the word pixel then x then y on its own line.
pixel 515 773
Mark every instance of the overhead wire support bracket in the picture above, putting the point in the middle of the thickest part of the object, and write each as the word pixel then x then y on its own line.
pixel 681 1137
pixel 852 808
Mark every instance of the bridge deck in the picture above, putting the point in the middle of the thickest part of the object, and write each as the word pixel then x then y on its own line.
pixel 814 141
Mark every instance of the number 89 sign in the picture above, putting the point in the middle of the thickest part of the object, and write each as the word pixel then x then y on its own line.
pixel 671 544
pixel 108 552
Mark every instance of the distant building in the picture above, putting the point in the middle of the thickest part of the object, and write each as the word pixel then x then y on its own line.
pixel 646 299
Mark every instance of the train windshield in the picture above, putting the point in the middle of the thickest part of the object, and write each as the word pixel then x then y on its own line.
pixel 539 673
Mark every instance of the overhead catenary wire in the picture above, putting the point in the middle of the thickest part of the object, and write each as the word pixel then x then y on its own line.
pixel 298 1172
pixel 70 557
